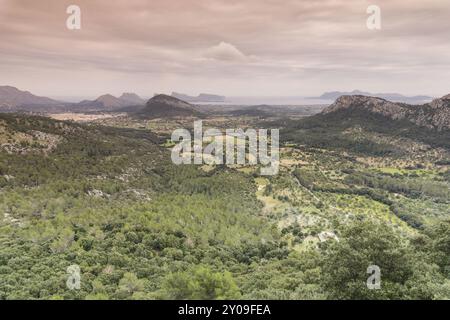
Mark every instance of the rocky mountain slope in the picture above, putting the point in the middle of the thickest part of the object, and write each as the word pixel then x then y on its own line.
pixel 372 126
pixel 394 97
pixel 433 115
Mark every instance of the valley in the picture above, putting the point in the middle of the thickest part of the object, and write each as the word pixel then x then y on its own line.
pixel 101 192
pixel 221 155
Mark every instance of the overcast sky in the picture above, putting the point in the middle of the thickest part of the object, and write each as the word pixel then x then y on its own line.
pixel 230 47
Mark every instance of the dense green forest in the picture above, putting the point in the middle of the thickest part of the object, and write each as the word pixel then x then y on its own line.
pixel 110 201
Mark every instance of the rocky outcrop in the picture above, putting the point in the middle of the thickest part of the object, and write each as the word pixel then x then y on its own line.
pixel 433 115
pixel 394 97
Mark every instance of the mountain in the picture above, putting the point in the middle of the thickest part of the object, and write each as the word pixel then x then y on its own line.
pixel 202 97
pixel 12 99
pixel 132 98
pixel 162 106
pixel 395 97
pixel 374 127
pixel 433 115
pixel 110 102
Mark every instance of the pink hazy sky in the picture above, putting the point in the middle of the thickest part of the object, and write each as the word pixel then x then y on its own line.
pixel 245 47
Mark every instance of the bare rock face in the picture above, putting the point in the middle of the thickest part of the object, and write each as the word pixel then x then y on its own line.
pixel 437 113
pixel 433 115
pixel 370 104
pixel 441 103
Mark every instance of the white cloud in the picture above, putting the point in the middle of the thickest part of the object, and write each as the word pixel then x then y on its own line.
pixel 306 45
pixel 225 52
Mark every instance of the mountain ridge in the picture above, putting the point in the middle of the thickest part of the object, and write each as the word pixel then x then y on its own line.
pixel 202 97
pixel 394 97
pixel 433 115
pixel 110 102
pixel 11 98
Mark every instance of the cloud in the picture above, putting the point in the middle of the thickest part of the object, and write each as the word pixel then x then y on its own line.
pixel 225 52
pixel 226 46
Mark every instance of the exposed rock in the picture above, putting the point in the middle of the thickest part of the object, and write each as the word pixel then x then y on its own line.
pixel 434 115
pixel 97 193
pixel 327 235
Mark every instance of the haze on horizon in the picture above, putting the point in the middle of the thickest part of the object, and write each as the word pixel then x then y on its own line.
pixel 235 48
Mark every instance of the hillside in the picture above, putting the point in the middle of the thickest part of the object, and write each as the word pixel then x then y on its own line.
pixel 374 127
pixel 111 201
pixel 164 106
pixel 434 115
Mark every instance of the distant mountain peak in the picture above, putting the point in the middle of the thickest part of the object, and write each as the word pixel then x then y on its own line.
pixel 128 94
pixel 11 98
pixel 202 97
pixel 110 102
pixel 372 104
pixel 131 98
pixel 106 96
pixel 163 106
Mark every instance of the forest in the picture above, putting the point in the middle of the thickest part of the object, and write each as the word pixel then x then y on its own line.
pixel 109 200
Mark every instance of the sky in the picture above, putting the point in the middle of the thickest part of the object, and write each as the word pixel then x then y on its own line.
pixel 228 47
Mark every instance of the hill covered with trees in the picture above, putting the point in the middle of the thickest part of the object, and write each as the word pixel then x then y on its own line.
pixel 109 200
